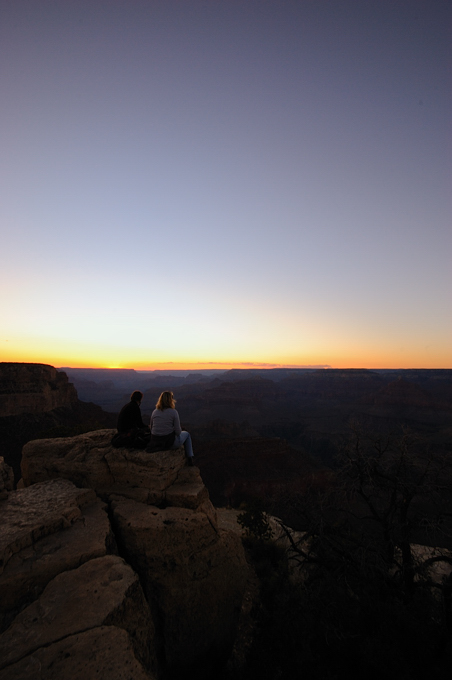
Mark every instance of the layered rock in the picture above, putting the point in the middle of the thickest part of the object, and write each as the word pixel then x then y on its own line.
pixel 105 653
pixel 401 393
pixel 47 529
pixel 73 606
pixel 102 592
pixel 193 574
pixel 90 461
pixel 6 479
pixel 33 388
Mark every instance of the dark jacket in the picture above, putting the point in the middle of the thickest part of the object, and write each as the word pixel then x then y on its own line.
pixel 130 417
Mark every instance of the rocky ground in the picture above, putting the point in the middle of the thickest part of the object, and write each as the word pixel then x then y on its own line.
pixel 115 564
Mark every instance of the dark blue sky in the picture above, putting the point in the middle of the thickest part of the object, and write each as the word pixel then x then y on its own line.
pixel 226 182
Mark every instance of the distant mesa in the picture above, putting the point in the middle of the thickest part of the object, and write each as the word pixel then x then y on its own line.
pixel 37 399
pixel 400 392
pixel 33 388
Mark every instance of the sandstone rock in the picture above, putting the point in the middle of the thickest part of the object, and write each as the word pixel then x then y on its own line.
pixel 188 491
pixel 90 461
pixel 104 653
pixel 6 479
pixel 103 591
pixel 227 519
pixel 33 388
pixel 80 459
pixel 193 574
pixel 46 529
pixel 30 514
pixel 155 472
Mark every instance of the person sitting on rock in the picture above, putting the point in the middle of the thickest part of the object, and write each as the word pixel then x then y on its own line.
pixel 131 429
pixel 166 432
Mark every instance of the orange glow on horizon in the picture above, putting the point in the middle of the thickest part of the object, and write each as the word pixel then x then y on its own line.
pixel 73 362
pixel 45 351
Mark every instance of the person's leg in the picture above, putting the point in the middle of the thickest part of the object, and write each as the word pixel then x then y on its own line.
pixel 184 439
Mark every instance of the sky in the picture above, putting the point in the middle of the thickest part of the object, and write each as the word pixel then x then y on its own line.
pixel 226 183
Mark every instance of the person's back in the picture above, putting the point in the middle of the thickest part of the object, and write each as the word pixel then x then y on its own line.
pixel 164 421
pixel 129 417
pixel 132 432
pixel 166 432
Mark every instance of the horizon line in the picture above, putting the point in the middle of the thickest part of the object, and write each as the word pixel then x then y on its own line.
pixel 249 365
pixel 226 365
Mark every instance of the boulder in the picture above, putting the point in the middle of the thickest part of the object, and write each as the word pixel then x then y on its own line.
pixel 104 653
pixel 102 592
pixel 134 470
pixel 80 459
pixel 193 575
pixel 90 461
pixel 46 529
pixel 6 479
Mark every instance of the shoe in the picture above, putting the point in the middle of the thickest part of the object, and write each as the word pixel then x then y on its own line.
pixel 190 461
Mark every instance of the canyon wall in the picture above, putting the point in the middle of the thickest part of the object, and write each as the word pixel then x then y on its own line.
pixel 33 388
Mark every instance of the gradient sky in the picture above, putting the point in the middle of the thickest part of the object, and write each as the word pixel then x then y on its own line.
pixel 226 182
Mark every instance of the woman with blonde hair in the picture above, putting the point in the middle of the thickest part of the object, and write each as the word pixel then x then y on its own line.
pixel 166 432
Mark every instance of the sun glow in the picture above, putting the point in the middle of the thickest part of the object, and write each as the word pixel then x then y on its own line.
pixel 88 356
pixel 199 236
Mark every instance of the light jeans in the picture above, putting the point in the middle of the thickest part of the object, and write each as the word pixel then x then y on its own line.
pixel 185 439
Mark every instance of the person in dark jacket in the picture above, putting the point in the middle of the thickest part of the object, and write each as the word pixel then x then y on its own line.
pixel 132 432
pixel 130 414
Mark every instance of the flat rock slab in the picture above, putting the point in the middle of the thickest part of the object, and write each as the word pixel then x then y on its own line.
pixel 45 530
pixel 30 514
pixel 103 591
pixel 104 653
pixel 90 461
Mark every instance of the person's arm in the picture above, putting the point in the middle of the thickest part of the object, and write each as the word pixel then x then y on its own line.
pixel 177 427
pixel 138 418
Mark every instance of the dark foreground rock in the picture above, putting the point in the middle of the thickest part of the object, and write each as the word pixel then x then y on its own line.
pixel 6 479
pixel 193 574
pixel 105 653
pixel 102 592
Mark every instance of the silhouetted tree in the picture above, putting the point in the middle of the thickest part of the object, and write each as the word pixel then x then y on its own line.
pixel 363 595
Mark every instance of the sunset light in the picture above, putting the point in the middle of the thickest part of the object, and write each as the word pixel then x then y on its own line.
pixel 223 185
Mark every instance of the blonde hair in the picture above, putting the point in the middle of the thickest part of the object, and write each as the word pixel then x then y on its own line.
pixel 166 400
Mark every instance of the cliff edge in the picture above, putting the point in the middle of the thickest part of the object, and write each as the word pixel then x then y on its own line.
pixel 114 564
